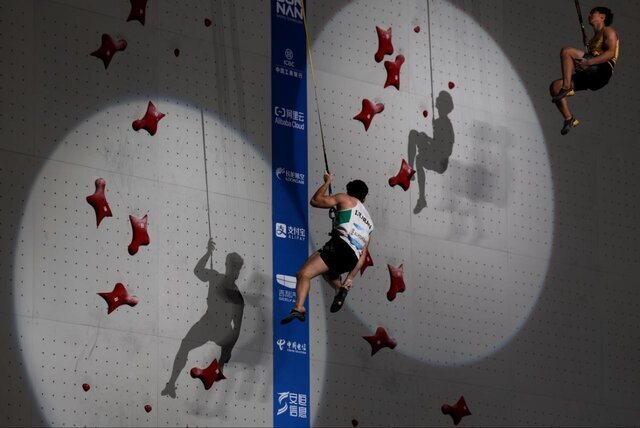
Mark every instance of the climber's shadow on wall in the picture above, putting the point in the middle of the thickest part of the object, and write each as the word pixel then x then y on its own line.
pixel 432 154
pixel 221 323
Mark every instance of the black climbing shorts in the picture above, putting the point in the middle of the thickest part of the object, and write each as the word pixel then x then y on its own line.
pixel 338 256
pixel 593 78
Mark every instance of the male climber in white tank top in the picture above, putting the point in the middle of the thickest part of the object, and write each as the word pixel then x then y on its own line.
pixel 346 251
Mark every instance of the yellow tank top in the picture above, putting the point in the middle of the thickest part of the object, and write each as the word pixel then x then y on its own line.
pixel 596 47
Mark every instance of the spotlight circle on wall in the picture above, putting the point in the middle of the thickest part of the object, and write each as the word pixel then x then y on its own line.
pixel 161 176
pixel 476 242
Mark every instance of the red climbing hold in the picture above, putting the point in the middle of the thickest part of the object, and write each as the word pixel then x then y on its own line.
pixel 140 234
pixel 354 422
pixel 369 110
pixel 208 376
pixel 452 85
pixel 99 201
pixel 119 296
pixel 176 52
pixel 393 72
pixel 108 49
pixel 148 408
pixel 368 261
pixel 397 281
pixel 425 113
pixel 207 22
pixel 138 10
pixel 403 178
pixel 417 29
pixel 150 120
pixel 380 340
pixel 384 44
pixel 86 387
pixel 457 411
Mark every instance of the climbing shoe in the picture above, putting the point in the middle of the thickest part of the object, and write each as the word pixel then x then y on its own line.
pixel 564 92
pixel 568 124
pixel 293 315
pixel 338 301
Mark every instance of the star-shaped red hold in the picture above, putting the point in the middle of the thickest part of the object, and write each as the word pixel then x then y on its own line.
pixel 369 109
pixel 393 72
pixel 380 340
pixel 108 49
pixel 403 178
pixel 457 411
pixel 99 201
pixel 368 261
pixel 150 120
pixel 138 10
pixel 140 234
pixel 208 376
pixel 119 296
pixel 397 281
pixel 385 47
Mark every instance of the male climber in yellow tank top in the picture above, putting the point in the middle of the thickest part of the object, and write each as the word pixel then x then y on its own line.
pixel 345 252
pixel 590 70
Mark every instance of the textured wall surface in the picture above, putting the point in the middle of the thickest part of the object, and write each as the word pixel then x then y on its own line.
pixel 519 246
pixel 519 278
pixel 66 122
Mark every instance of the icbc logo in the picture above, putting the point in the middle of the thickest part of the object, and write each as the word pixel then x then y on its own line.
pixel 288 61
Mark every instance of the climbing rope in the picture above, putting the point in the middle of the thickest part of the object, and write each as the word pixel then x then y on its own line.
pixel 433 102
pixel 206 179
pixel 332 211
pixel 584 36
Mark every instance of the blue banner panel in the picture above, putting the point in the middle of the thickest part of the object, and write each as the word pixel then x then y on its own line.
pixel 290 220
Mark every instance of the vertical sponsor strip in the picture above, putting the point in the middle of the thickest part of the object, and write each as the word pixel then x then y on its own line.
pixel 290 210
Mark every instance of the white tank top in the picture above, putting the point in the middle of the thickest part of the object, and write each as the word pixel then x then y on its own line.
pixel 354 225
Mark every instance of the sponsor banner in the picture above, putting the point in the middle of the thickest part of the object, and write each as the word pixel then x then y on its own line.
pixel 290 210
pixel 289 346
pixel 290 176
pixel 288 10
pixel 288 231
pixel 287 66
pixel 289 118
pixel 293 405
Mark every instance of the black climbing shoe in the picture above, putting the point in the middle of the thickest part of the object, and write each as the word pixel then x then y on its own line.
pixel 568 124
pixel 293 314
pixel 564 92
pixel 338 301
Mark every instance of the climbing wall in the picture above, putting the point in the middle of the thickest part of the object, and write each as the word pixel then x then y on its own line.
pixel 503 276
pixel 509 234
pixel 85 163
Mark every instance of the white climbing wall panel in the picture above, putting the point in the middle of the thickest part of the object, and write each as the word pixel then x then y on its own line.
pixel 507 261
pixel 519 246
pixel 70 122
